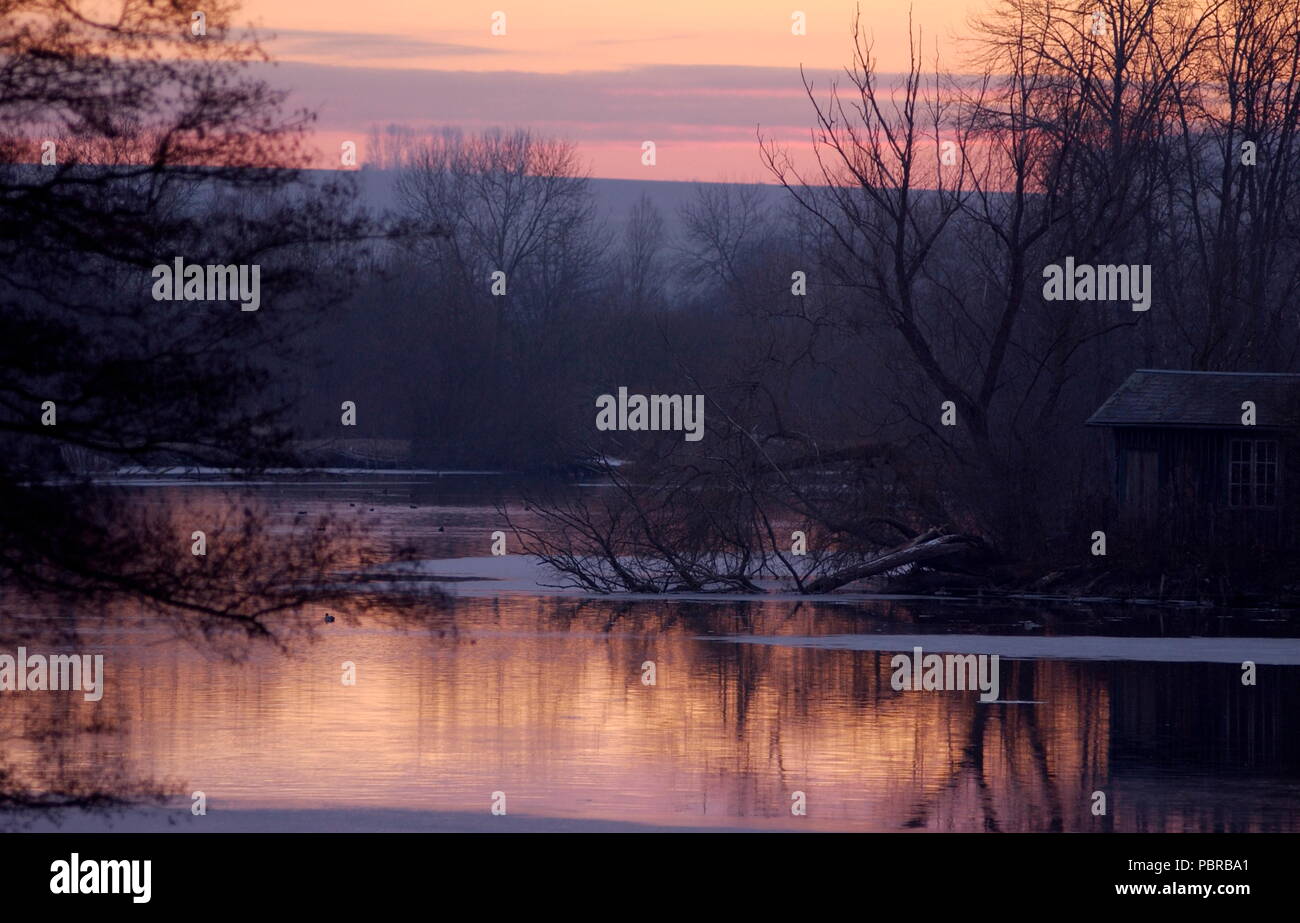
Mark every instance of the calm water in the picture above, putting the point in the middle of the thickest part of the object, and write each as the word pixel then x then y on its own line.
pixel 541 697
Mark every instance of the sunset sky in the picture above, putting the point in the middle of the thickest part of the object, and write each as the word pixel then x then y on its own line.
pixel 694 77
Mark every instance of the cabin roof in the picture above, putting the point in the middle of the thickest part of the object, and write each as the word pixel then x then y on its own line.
pixel 1170 398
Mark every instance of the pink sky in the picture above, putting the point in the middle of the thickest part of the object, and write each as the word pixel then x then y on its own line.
pixel 694 77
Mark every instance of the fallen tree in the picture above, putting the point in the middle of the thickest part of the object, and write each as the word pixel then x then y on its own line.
pixel 929 546
pixel 692 529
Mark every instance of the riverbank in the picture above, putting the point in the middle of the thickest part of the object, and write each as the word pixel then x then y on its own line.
pixel 360 819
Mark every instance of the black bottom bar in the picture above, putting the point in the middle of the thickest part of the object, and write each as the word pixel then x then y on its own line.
pixel 621 873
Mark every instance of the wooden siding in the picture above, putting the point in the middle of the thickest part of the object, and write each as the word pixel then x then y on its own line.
pixel 1177 480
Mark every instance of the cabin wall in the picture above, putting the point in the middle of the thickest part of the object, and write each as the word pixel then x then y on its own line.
pixel 1177 481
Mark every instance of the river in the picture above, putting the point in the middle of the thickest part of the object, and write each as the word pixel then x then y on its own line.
pixel 538 704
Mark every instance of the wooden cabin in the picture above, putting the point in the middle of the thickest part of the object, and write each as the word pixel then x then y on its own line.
pixel 1189 462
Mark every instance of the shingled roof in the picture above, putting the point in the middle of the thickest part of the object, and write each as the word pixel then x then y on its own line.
pixel 1162 397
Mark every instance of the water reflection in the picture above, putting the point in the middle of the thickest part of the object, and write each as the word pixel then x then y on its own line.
pixel 543 699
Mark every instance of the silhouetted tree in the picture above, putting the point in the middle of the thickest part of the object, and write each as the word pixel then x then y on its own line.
pixel 129 141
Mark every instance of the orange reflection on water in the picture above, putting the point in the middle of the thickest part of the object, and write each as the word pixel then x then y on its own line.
pixel 544 700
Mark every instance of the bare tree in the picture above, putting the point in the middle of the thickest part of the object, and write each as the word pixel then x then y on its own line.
pixel 1102 132
pixel 510 202
pixel 641 263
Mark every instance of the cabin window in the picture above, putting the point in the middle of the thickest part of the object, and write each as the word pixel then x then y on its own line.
pixel 1252 472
